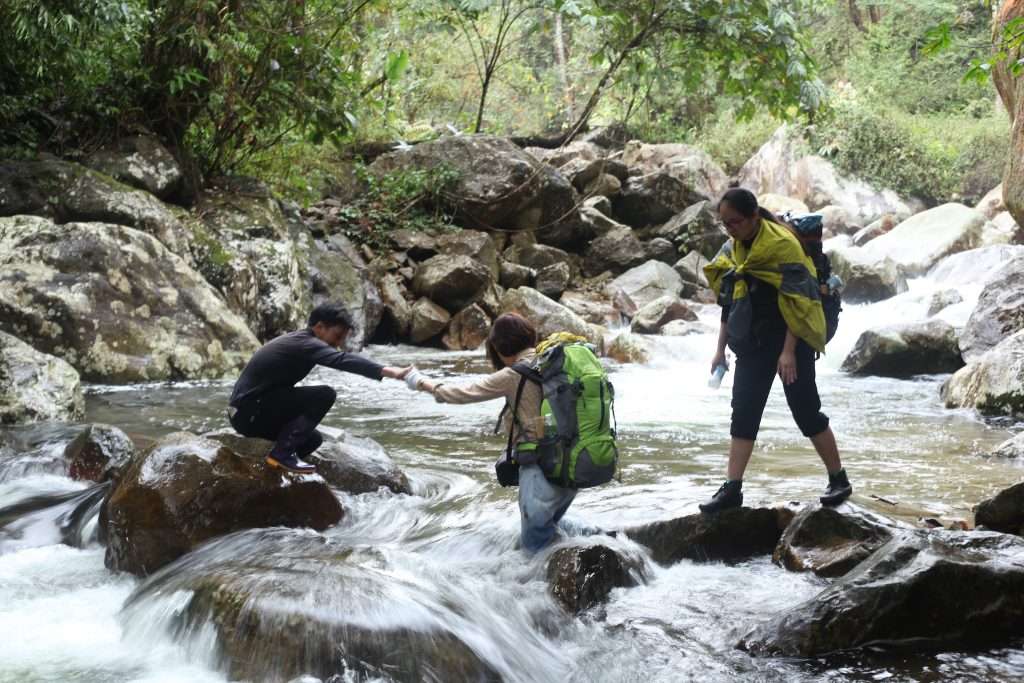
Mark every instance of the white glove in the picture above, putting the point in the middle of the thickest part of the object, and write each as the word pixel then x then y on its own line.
pixel 412 379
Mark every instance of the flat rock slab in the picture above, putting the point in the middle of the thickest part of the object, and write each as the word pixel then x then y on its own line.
pixel 830 542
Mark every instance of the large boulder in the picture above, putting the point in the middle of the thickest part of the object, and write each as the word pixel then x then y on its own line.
pixel 188 489
pixel 592 308
pixel 288 606
pixel 992 384
pixel 629 348
pixel 779 204
pixel 36 386
pixel 695 228
pixel 428 320
pixel 830 542
pixel 999 312
pixel 992 204
pixel 396 319
pixel 1011 448
pixel 498 184
pixel 785 166
pixel 693 167
pixel 467 330
pixel 99 453
pixel 583 576
pixel 639 286
pixel 660 249
pixel 938 590
pixel 67 193
pixel 617 251
pixel 512 275
pixel 114 303
pixel 339 274
pixel 454 282
pixel 652 317
pixel 475 244
pixel 546 315
pixel 1003 512
pixel 599 219
pixel 866 280
pixel 729 536
pixel 552 280
pixel 348 463
pixel 905 350
pixel 535 256
pixel 244 245
pixel 922 240
pixel 142 162
pixel 691 269
pixel 652 199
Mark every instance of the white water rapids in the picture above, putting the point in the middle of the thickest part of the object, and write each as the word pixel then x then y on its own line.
pixel 446 556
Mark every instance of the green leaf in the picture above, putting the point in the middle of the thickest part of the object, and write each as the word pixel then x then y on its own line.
pixel 396 66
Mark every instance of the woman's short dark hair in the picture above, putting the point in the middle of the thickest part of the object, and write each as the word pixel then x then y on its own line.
pixel 331 314
pixel 745 204
pixel 510 335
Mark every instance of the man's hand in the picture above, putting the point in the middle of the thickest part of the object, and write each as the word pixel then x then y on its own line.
pixel 719 359
pixel 395 373
pixel 787 367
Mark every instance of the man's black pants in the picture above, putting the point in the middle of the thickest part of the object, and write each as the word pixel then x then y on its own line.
pixel 756 371
pixel 288 417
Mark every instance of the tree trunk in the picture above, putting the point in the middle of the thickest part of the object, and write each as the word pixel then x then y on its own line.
pixel 483 100
pixel 855 16
pixel 563 73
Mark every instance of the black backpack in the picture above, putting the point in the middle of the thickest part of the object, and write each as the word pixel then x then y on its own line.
pixel 808 229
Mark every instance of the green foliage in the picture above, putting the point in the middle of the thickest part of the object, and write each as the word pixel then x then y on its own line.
pixel 915 155
pixel 731 141
pixel 404 199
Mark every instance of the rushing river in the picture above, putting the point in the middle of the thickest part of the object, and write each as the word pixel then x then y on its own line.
pixel 446 556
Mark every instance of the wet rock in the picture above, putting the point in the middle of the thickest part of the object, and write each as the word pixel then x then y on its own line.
pixel 654 316
pixel 942 300
pixel 691 269
pixel 905 350
pixel 922 240
pixel 453 282
pixel 729 536
pixel 830 542
pixel 785 166
pixel 339 274
pixel 546 315
pixel 36 386
pixel 684 328
pixel 477 245
pixel 351 464
pixel 467 330
pixel 691 166
pixel 1011 448
pixel 284 604
pixel 779 204
pixel 992 384
pixel 629 348
pixel 591 308
pixel 552 280
pixel 397 315
pixel 583 576
pixel 512 275
pixel 188 489
pixel 866 281
pixel 428 321
pixel 617 250
pixel 999 312
pixel 639 286
pixel 926 590
pixel 419 245
pixel 535 256
pixel 1003 512
pixel 114 303
pixel 499 185
pixel 99 453
pixel 67 193
pixel 142 162
pixel 660 249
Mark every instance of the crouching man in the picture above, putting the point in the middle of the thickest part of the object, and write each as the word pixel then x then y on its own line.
pixel 266 403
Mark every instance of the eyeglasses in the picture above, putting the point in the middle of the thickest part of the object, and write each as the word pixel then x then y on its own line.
pixel 730 223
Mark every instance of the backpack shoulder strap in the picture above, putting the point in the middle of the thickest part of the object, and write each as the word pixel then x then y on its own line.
pixel 515 412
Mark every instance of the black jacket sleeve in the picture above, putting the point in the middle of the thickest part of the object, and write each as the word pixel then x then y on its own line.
pixel 323 354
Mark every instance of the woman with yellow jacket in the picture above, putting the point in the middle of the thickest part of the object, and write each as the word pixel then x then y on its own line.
pixel 773 321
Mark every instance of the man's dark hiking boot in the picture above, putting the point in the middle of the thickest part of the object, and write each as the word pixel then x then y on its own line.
pixel 729 495
pixel 838 490
pixel 290 463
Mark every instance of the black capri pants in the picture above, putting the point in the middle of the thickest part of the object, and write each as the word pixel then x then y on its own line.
pixel 288 417
pixel 756 370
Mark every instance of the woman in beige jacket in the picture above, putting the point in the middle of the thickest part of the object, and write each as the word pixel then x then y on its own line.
pixel 511 340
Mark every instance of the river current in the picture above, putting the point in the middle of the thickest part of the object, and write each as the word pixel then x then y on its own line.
pixel 447 555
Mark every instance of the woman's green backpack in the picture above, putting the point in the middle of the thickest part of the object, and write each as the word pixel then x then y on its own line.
pixel 578 447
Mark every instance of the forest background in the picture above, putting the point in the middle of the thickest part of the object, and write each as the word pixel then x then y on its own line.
pixel 895 92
